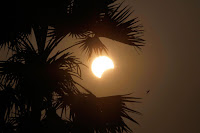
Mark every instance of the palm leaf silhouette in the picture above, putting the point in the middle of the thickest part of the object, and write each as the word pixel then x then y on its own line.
pixel 33 82
pixel 105 114
pixel 92 44
pixel 113 25
pixel 77 18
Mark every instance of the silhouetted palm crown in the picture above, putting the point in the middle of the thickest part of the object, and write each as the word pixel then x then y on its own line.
pixel 33 83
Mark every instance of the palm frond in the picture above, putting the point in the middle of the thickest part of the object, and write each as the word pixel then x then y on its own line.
pixel 114 25
pixel 48 123
pixel 9 103
pixel 10 72
pixel 32 81
pixel 52 43
pixel 14 23
pixel 79 17
pixel 92 44
pixel 8 36
pixel 104 114
pixel 8 126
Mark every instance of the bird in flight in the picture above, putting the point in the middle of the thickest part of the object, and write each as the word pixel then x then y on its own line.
pixel 148 91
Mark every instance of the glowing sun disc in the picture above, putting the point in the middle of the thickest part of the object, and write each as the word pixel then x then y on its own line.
pixel 101 64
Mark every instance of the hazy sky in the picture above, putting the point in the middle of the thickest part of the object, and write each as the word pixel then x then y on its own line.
pixel 168 65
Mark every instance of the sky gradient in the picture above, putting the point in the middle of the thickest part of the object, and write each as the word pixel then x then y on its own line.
pixel 168 66
pixel 172 48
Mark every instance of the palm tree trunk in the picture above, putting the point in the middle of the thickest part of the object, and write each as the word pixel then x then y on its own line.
pixel 40 35
pixel 36 113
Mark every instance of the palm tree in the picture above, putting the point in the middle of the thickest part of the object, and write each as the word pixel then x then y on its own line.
pixel 35 85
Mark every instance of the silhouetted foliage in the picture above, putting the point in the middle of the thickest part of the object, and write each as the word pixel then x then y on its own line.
pixel 38 92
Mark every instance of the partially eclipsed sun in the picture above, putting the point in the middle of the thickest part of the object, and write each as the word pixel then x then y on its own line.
pixel 101 64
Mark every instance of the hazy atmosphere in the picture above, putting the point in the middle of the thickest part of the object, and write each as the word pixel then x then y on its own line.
pixel 168 66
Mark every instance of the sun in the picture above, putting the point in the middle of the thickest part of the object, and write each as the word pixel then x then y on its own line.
pixel 101 64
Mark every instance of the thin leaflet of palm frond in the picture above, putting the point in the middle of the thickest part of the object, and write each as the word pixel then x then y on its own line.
pixel 109 112
pixel 114 25
pixel 92 44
